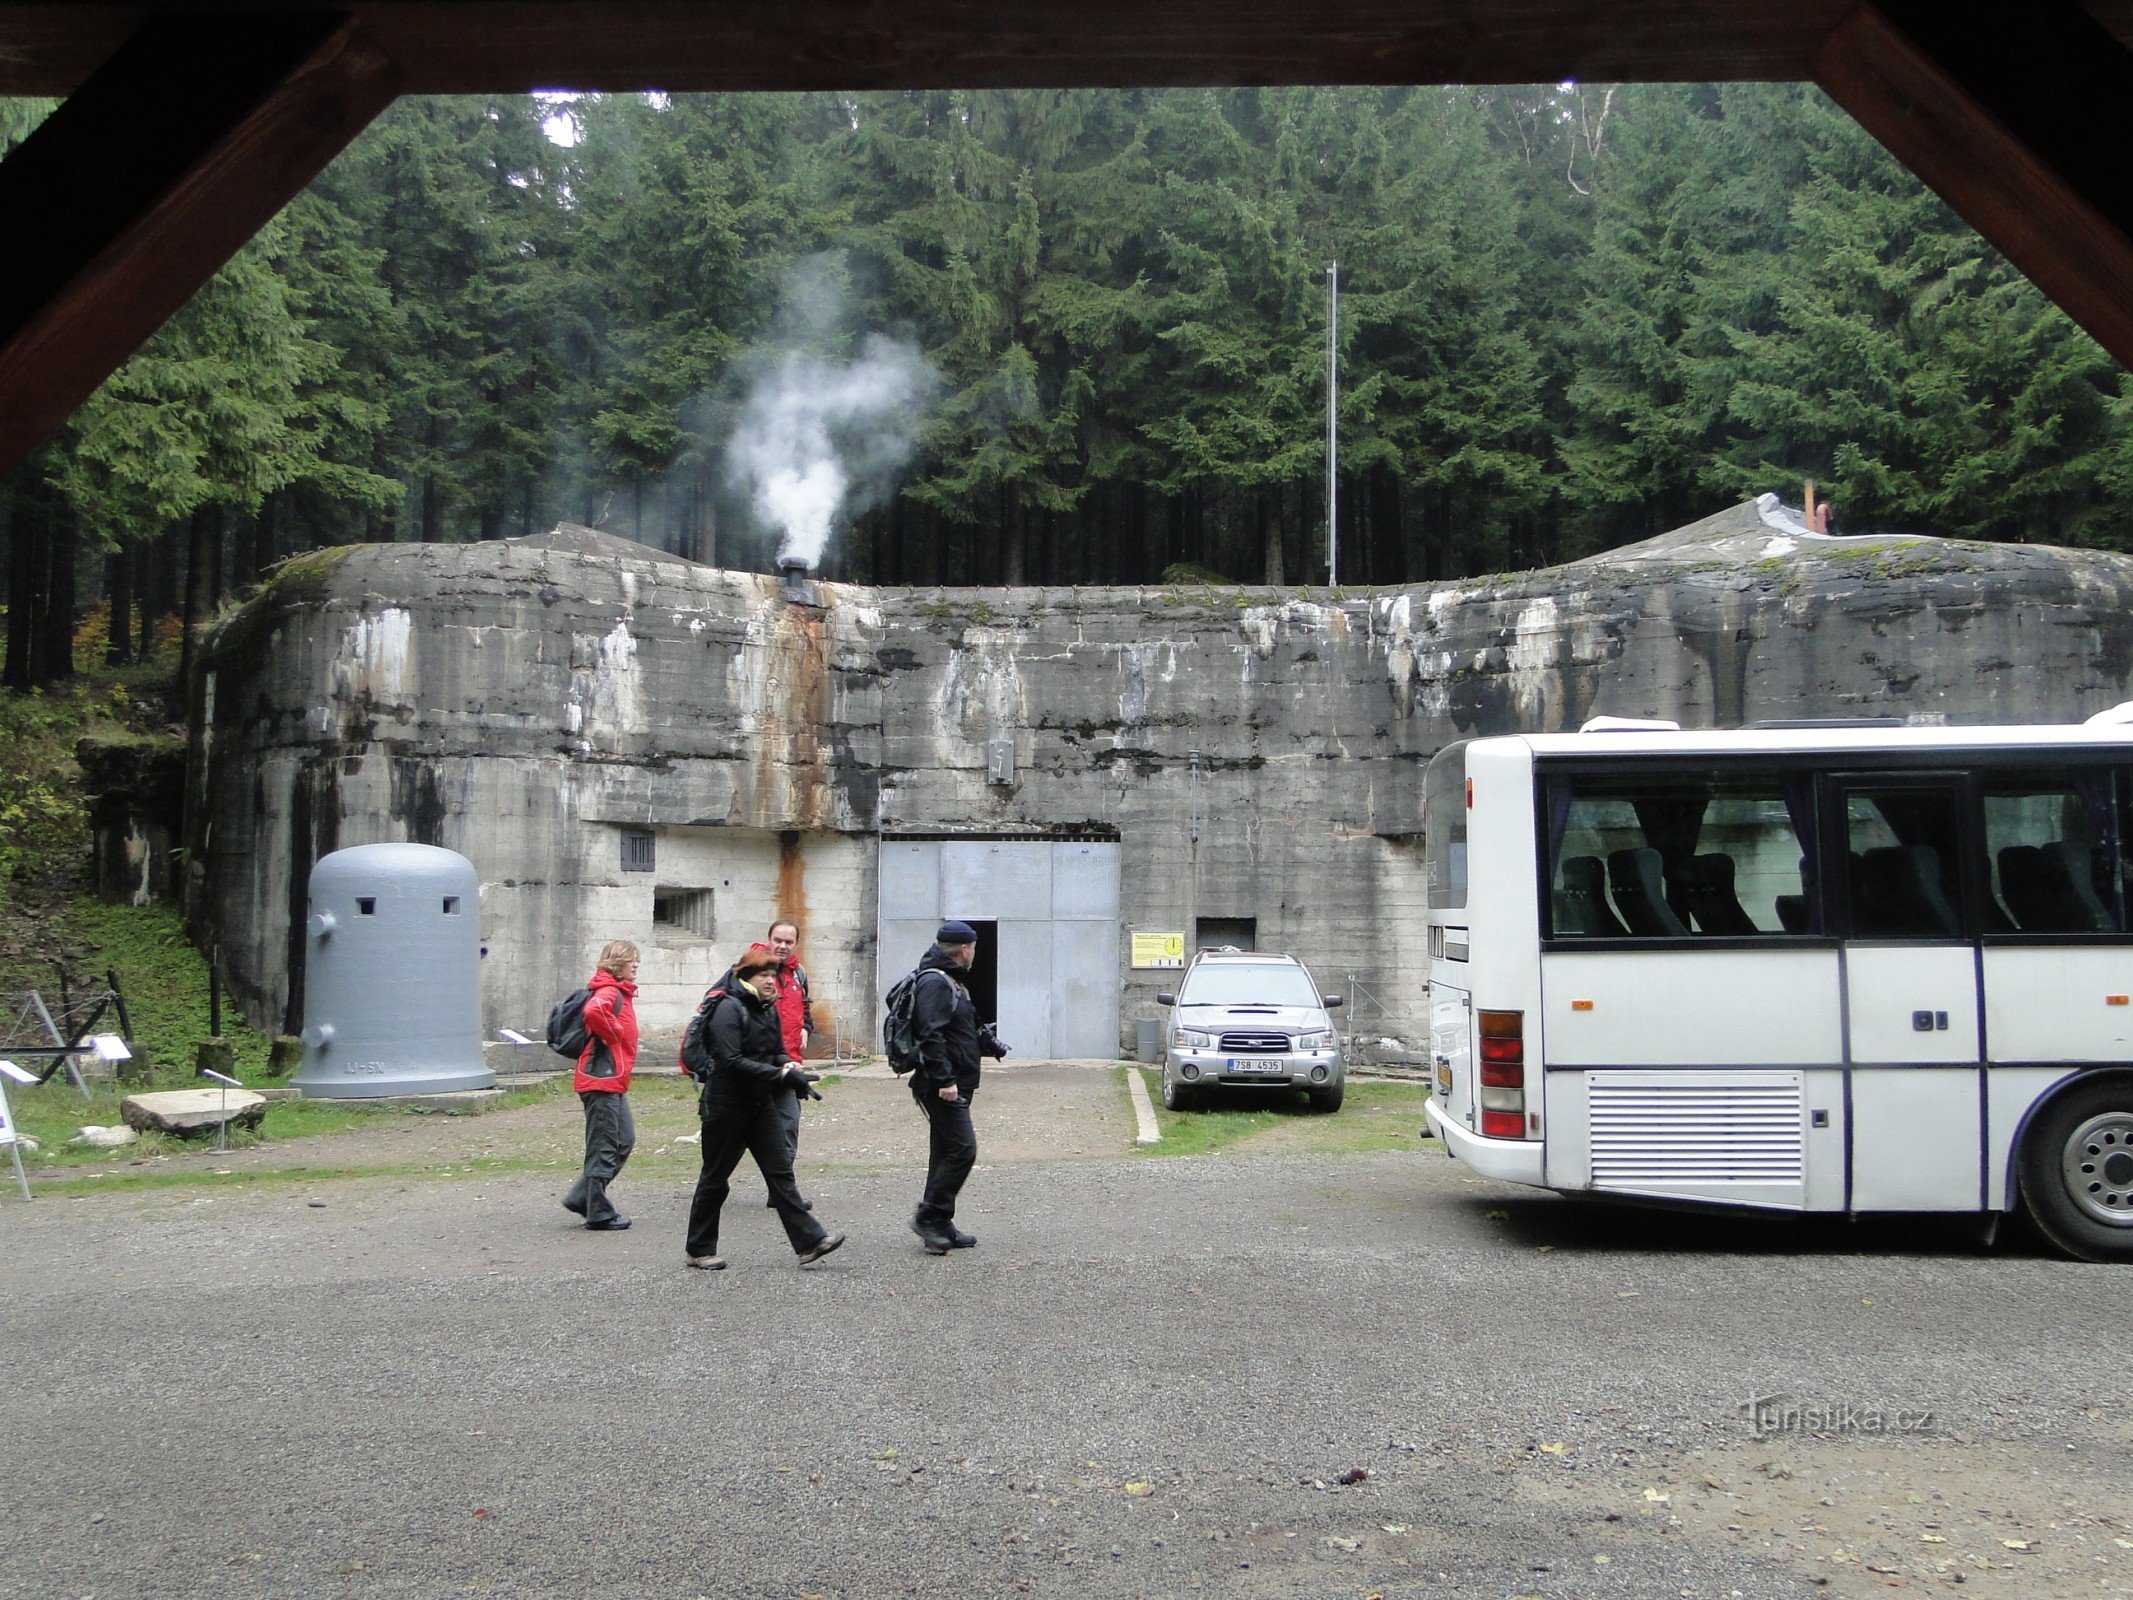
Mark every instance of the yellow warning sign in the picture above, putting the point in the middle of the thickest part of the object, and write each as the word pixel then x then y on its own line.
pixel 1159 950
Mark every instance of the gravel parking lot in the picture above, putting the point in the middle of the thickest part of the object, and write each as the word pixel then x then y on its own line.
pixel 1252 1372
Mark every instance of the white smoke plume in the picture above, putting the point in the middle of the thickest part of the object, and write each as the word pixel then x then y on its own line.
pixel 819 436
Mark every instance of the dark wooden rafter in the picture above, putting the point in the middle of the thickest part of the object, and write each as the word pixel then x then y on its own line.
pixel 2016 116
pixel 508 46
pixel 149 177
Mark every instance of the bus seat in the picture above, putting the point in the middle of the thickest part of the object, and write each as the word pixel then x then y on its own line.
pixel 2022 887
pixel 1792 908
pixel 1897 895
pixel 1707 891
pixel 2070 881
pixel 1635 878
pixel 1581 908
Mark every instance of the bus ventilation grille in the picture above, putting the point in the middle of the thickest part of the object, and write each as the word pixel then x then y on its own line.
pixel 1671 1127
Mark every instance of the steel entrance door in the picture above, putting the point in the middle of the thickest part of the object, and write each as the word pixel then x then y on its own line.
pixel 1055 906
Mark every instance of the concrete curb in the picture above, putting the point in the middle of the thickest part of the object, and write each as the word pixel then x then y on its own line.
pixel 1143 1112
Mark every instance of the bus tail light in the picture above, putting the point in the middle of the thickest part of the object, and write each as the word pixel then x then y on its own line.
pixel 1503 1074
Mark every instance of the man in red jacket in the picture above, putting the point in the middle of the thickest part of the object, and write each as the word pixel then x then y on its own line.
pixel 795 1016
pixel 603 1084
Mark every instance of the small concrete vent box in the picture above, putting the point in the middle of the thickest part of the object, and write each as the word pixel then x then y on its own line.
pixel 392 974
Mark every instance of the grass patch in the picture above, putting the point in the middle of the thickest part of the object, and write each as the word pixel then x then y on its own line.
pixel 1374 1116
pixel 56 1112
pixel 164 980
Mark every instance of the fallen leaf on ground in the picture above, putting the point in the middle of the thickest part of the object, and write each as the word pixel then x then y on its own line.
pixel 1140 1488
pixel 1553 1447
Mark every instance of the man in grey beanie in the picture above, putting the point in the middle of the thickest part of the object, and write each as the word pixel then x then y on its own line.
pixel 945 1081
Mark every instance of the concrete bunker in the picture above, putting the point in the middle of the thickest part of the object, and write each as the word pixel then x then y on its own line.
pixel 630 745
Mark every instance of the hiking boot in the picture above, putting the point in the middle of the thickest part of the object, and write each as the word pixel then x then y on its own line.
pixel 822 1248
pixel 961 1240
pixel 708 1263
pixel 936 1242
pixel 611 1225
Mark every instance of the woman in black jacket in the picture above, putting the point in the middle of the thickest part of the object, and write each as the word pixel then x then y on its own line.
pixel 748 1061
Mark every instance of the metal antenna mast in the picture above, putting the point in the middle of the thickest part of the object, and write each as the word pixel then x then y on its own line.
pixel 1333 442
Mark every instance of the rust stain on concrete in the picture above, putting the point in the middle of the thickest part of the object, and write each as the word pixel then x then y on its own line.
pixel 790 786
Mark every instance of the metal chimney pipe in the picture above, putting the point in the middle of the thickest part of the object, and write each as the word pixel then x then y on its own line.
pixel 794 583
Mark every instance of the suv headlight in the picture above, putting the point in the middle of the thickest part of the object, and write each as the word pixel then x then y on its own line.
pixel 1321 1040
pixel 1192 1039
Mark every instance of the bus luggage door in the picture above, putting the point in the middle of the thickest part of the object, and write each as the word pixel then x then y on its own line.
pixel 1911 1015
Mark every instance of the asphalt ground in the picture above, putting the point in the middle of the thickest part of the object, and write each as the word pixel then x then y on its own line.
pixel 1233 1374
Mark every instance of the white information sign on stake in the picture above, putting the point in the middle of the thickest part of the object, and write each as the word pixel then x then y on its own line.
pixel 9 1139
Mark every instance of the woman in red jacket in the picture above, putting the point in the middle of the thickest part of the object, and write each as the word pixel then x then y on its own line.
pixel 603 1083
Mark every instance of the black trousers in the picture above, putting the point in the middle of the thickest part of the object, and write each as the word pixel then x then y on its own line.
pixel 610 1136
pixel 787 1103
pixel 951 1151
pixel 731 1131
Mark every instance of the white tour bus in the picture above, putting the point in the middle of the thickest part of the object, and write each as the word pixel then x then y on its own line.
pixel 1839 967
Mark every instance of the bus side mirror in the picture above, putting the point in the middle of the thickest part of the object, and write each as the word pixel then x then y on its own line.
pixel 1166 999
pixel 1332 1001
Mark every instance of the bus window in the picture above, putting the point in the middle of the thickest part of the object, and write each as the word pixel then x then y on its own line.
pixel 1444 827
pixel 1904 849
pixel 2054 844
pixel 1679 856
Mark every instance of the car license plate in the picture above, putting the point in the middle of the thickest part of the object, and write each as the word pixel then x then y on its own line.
pixel 1444 1078
pixel 1237 1065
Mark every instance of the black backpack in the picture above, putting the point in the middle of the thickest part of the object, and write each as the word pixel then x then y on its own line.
pixel 567 1033
pixel 695 1057
pixel 899 1032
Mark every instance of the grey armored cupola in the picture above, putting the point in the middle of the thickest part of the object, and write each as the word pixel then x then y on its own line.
pixel 392 974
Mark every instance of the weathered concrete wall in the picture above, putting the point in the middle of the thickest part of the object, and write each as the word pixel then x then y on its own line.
pixel 525 702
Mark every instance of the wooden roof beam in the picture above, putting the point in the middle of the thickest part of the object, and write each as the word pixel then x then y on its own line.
pixel 149 177
pixel 2016 116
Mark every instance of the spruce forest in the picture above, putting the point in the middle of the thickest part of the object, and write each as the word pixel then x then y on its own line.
pixel 1571 316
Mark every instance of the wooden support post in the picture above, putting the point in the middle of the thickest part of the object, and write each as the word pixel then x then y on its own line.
pixel 152 175
pixel 2015 115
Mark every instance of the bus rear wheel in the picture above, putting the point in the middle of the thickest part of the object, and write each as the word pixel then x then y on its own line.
pixel 2077 1171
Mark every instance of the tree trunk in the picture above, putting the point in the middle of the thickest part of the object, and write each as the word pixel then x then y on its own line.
pixel 203 557
pixel 244 552
pixel 118 596
pixel 59 593
pixel 163 601
pixel 1270 541
pixel 706 526
pixel 25 536
pixel 1014 530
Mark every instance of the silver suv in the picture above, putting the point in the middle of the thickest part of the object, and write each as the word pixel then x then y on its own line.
pixel 1252 1021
